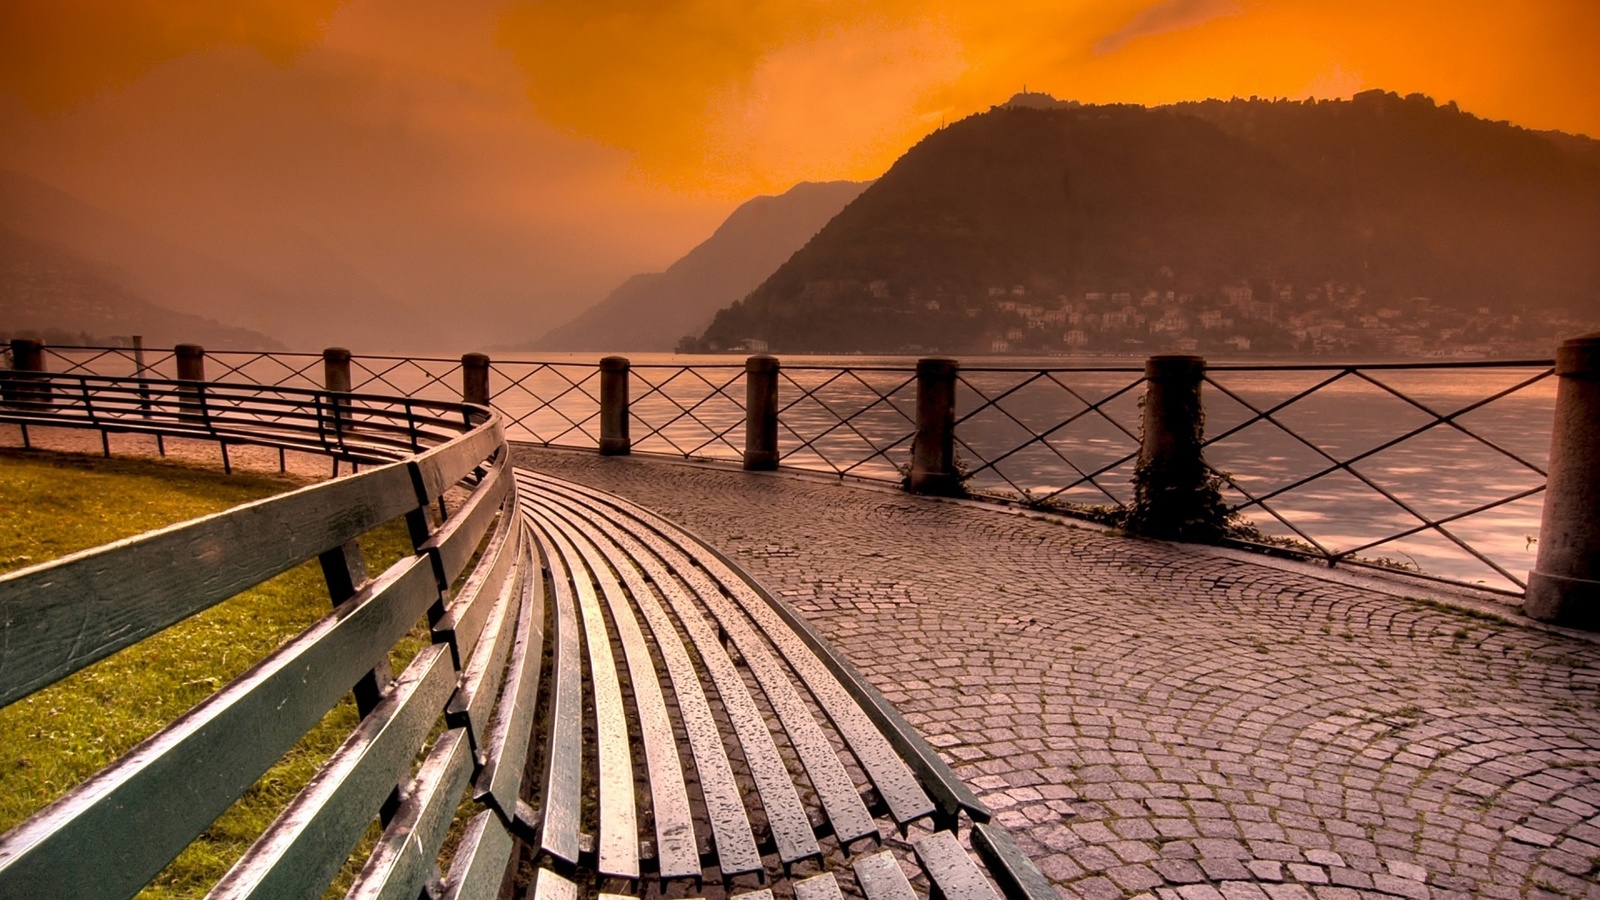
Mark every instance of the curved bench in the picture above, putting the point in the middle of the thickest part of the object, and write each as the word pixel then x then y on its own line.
pixel 836 794
pixel 679 723
pixel 470 576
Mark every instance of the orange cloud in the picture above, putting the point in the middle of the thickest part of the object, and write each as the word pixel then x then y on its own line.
pixel 56 53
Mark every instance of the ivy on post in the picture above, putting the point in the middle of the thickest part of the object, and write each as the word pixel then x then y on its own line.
pixel 1175 494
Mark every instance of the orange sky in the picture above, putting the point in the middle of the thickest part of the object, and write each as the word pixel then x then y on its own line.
pixel 521 158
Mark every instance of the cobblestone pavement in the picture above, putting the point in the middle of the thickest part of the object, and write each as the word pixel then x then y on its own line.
pixel 1172 720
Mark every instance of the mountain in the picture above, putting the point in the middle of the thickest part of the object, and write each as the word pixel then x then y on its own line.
pixel 297 290
pixel 51 293
pixel 652 311
pixel 1123 227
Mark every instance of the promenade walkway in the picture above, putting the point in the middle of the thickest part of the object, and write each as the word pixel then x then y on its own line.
pixel 1181 721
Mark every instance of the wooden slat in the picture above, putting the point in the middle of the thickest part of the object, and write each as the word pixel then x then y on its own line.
pixel 548 885
pixel 882 721
pixel 481 860
pixel 309 841
pixel 676 852
pixel 881 878
pixel 458 538
pixel 473 702
pixel 118 829
pixel 406 857
pixel 763 894
pixel 619 824
pixel 786 816
pixel 730 827
pixel 563 758
pixel 953 873
pixel 66 614
pixel 818 887
pixel 500 782
pixel 463 618
pixel 1016 874
pixel 437 470
pixel 834 786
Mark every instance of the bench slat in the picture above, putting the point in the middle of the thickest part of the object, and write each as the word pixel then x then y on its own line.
pixel 118 829
pixel 463 618
pixel 480 680
pixel 500 782
pixel 458 538
pixel 881 878
pixel 305 846
pixel 953 873
pixel 563 759
pixel 818 887
pixel 66 614
pixel 548 885
pixel 676 849
pixel 838 792
pixel 619 824
pixel 438 469
pixel 730 827
pixel 1019 878
pixel 407 854
pixel 786 816
pixel 481 859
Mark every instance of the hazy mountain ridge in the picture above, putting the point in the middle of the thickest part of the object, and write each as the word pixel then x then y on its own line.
pixel 1381 198
pixel 652 311
pixel 51 293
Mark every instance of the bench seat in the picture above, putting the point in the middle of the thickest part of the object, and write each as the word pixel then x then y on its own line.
pixel 696 729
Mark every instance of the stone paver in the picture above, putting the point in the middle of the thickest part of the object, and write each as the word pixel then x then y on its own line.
pixel 1170 720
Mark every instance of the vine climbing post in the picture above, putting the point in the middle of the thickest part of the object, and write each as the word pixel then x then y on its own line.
pixel 1175 492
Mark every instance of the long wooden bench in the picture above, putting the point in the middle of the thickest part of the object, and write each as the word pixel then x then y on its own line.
pixel 796 769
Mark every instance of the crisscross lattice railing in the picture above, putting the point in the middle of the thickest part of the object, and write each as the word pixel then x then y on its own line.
pixel 1435 468
pixel 1438 467
pixel 1050 436
pixel 856 421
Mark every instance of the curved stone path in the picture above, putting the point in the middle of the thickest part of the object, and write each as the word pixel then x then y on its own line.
pixel 1180 721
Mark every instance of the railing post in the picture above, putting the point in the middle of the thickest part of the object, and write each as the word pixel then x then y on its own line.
pixel 933 450
pixel 336 379
pixel 191 362
pixel 1175 495
pixel 27 356
pixel 1564 586
pixel 475 378
pixel 761 413
pixel 614 407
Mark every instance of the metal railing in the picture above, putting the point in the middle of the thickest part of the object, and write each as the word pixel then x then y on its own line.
pixel 1436 468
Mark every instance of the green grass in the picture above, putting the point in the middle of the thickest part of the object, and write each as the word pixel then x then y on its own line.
pixel 54 505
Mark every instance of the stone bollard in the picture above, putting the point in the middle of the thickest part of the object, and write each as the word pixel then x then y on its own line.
pixel 336 369
pixel 614 407
pixel 336 378
pixel 1564 586
pixel 1174 493
pixel 475 379
pixel 933 450
pixel 191 362
pixel 761 413
pixel 27 365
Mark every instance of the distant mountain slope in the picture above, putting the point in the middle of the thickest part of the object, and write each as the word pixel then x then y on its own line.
pixel 47 291
pixel 1390 197
pixel 652 311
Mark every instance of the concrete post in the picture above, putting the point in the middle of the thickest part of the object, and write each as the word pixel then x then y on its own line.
pixel 1173 494
pixel 761 413
pixel 1564 586
pixel 475 378
pixel 933 450
pixel 27 356
pixel 336 369
pixel 191 362
pixel 614 407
